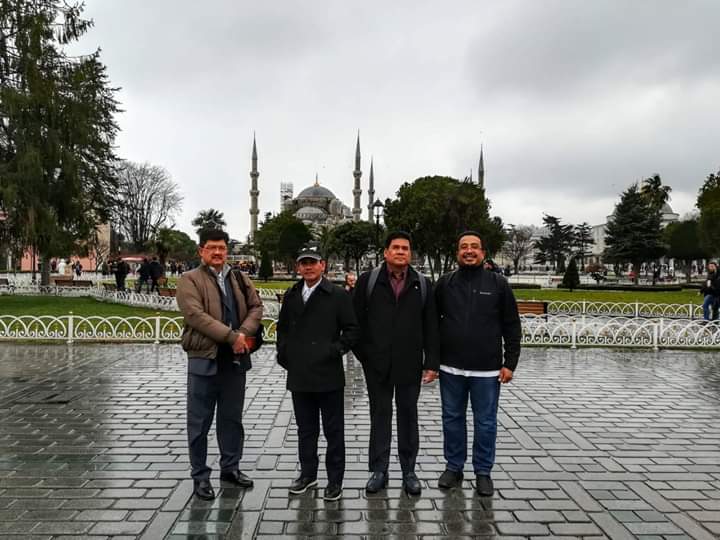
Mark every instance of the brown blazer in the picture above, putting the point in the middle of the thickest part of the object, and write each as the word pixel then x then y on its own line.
pixel 199 300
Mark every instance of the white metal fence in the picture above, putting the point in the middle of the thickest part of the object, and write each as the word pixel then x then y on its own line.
pixel 549 330
pixel 621 309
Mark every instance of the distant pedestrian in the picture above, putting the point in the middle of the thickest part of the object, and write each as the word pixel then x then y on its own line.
pixel 156 273
pixel 350 280
pixel 316 327
pixel 711 292
pixel 122 269
pixel 478 318
pixel 143 274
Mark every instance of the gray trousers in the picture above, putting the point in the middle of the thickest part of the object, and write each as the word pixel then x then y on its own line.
pixel 224 391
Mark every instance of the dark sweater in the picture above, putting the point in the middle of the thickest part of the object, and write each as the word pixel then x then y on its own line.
pixel 478 314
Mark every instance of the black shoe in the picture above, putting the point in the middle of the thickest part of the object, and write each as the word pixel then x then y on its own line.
pixel 333 492
pixel 450 479
pixel 411 484
pixel 203 489
pixel 237 478
pixel 484 485
pixel 377 481
pixel 301 484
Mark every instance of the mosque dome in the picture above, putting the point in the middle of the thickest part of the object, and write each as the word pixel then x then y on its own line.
pixel 316 192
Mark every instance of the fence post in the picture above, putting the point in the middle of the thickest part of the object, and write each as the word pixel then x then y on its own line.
pixel 691 311
pixel 637 309
pixel 71 328
pixel 157 328
pixel 584 307
pixel 573 340
pixel 656 334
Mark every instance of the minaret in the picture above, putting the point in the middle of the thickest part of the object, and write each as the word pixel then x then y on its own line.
pixel 371 193
pixel 481 170
pixel 254 193
pixel 357 173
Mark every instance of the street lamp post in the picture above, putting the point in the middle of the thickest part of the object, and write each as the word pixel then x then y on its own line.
pixel 378 209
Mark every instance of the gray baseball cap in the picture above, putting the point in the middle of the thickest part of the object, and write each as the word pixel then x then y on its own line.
pixel 309 253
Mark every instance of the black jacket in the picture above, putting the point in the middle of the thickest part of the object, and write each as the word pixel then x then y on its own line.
pixel 477 313
pixel 712 284
pixel 312 337
pixel 399 338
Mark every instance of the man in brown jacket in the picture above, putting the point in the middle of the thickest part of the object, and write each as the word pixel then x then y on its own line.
pixel 219 318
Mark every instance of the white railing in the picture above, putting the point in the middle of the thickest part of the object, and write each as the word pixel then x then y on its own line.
pixel 591 331
pixel 536 330
pixel 621 309
pixel 71 328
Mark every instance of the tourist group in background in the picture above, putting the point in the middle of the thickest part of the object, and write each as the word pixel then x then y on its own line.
pixel 465 331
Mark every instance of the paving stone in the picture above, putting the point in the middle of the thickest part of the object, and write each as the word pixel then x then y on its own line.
pixel 626 447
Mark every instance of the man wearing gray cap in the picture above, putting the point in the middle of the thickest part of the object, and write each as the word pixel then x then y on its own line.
pixel 316 327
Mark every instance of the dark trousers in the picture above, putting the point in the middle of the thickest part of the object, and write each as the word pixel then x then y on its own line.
pixel 119 282
pixel 309 407
pixel 380 394
pixel 484 394
pixel 226 391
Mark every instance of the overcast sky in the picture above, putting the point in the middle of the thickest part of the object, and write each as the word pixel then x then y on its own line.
pixel 573 101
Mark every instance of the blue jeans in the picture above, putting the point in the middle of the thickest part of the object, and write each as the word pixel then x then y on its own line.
pixel 484 393
pixel 710 308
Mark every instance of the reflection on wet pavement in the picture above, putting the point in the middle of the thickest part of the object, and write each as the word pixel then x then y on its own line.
pixel 593 443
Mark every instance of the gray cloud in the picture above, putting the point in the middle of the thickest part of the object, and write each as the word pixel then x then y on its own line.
pixel 572 100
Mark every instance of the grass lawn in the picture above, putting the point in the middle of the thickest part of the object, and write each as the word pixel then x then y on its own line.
pixel 57 305
pixel 280 285
pixel 645 297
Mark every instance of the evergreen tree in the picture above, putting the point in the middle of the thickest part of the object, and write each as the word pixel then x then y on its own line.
pixel 571 279
pixel 554 247
pixel 57 129
pixel 582 240
pixel 708 202
pixel 265 271
pixel 633 232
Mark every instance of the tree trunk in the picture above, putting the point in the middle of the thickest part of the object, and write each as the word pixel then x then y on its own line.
pixel 45 274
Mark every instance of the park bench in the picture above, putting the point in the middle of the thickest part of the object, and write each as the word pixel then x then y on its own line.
pixel 531 307
pixel 166 291
pixel 110 287
pixel 73 283
pixel 4 282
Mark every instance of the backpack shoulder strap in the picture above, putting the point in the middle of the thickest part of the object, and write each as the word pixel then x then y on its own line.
pixel 241 283
pixel 423 288
pixel 372 280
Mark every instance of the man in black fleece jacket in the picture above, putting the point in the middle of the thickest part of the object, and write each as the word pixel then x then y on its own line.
pixel 478 313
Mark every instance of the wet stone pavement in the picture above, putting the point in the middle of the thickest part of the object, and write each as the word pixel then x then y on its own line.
pixel 593 444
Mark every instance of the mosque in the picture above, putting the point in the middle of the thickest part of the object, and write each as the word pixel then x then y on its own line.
pixel 316 205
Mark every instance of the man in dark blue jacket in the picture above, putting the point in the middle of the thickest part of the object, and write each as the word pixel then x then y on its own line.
pixel 478 314
pixel 315 328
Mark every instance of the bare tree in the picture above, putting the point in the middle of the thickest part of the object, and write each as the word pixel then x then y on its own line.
pixel 518 244
pixel 148 200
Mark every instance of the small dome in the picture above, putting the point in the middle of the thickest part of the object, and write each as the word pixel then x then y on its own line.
pixel 316 192
pixel 309 211
pixel 666 209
